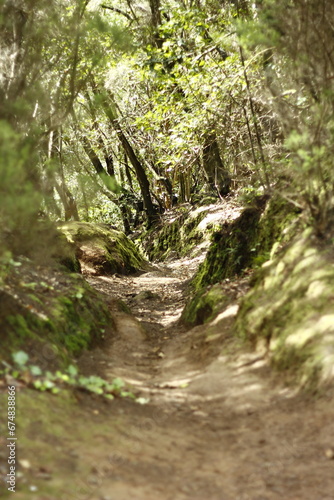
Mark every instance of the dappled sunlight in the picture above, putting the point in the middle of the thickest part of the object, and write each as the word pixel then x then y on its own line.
pixel 186 267
pixel 156 299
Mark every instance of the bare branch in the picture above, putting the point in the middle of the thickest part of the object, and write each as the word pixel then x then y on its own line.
pixel 119 11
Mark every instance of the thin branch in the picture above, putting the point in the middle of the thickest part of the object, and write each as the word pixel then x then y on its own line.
pixel 119 11
pixel 254 116
pixel 132 11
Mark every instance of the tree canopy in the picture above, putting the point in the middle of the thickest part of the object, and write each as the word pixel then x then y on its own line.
pixel 112 110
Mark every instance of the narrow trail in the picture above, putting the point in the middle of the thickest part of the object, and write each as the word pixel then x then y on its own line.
pixel 217 426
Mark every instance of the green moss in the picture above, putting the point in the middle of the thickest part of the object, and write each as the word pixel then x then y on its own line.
pixel 181 236
pixel 68 314
pixel 86 317
pixel 107 251
pixel 64 252
pixel 246 242
pixel 230 251
pixel 299 366
pixel 204 306
pixel 44 424
pixel 290 306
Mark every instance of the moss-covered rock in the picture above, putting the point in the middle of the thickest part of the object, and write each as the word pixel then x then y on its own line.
pixel 289 312
pixel 48 313
pixel 245 242
pixel 205 305
pixel 102 250
pixel 65 253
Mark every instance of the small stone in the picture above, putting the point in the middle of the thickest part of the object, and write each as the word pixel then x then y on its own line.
pixel 329 452
pixel 93 480
pixel 73 453
pixel 146 295
pixel 199 413
pixel 25 464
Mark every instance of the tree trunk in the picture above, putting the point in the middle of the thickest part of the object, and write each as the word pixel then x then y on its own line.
pixel 96 162
pixel 218 177
pixel 107 154
pixel 127 171
pixel 70 206
pixel 156 21
pixel 184 179
pixel 138 167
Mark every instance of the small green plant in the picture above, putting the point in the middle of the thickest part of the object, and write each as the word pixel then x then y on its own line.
pixel 20 358
pixel 30 285
pixel 34 377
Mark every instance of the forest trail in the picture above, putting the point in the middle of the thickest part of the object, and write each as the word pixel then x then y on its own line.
pixel 216 426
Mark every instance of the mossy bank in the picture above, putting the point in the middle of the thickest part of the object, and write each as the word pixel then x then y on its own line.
pixel 288 314
pixel 186 231
pixel 245 242
pixel 49 313
pixel 205 305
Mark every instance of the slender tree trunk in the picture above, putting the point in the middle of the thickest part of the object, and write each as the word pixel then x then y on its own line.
pixel 95 160
pixel 97 164
pixel 107 154
pixel 184 181
pixel 70 206
pixel 255 121
pixel 156 21
pixel 216 173
pixel 138 167
pixel 127 171
pixel 110 165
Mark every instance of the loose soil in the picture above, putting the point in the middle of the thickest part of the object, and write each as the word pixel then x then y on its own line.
pixel 217 424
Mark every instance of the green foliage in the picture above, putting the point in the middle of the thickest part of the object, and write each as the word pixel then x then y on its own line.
pixel 59 312
pixel 19 200
pixel 205 305
pixel 20 358
pixel 238 74
pixel 296 69
pixel 188 81
pixel 35 377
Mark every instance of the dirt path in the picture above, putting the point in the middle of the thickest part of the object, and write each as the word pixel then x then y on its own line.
pixel 216 427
